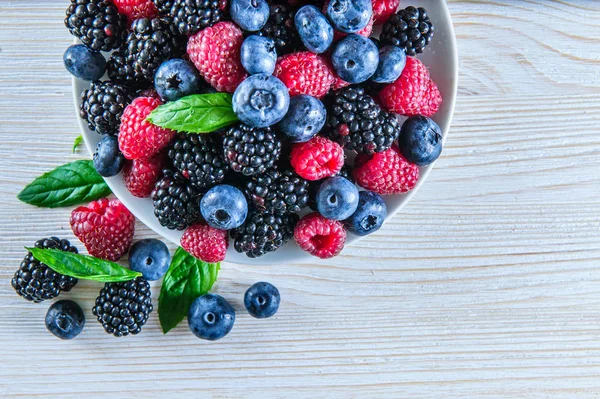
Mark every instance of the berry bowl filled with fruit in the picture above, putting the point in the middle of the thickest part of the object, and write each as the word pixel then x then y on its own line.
pixel 262 131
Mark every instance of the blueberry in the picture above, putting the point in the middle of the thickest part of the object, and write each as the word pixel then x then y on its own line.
pixel 211 317
pixel 108 160
pixel 304 119
pixel 369 215
pixel 261 100
pixel 65 319
pixel 149 257
pixel 262 300
pixel 250 15
pixel 355 58
pixel 314 29
pixel 420 140
pixel 259 55
pixel 392 61
pixel 224 207
pixel 350 16
pixel 84 63
pixel 175 79
pixel 337 198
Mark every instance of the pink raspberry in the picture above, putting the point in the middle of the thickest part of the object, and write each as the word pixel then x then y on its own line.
pixel 305 73
pixel 320 237
pixel 140 175
pixel 317 158
pixel 136 9
pixel 384 9
pixel 205 243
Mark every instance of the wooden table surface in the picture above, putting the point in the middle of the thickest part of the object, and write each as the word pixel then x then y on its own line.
pixel 485 286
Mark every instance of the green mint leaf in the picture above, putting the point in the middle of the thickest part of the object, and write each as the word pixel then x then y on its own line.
pixel 83 266
pixel 77 141
pixel 67 185
pixel 187 279
pixel 198 113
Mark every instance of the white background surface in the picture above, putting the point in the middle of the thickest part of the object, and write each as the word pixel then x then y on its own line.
pixel 484 286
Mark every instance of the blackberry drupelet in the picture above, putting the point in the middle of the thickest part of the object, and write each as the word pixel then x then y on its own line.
pixel 358 123
pixel 123 308
pixel 191 16
pixel 176 201
pixel 102 106
pixel 280 192
pixel 280 27
pixel 410 29
pixel 263 232
pixel 199 157
pixel 97 23
pixel 35 281
pixel 164 6
pixel 249 150
pixel 150 43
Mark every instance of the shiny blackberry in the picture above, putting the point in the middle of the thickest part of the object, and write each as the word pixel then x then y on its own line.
pixel 358 123
pixel 176 201
pixel 250 150
pixel 280 27
pixel 150 43
pixel 164 6
pixel 191 16
pixel 123 308
pixel 97 24
pixel 263 232
pixel 102 106
pixel 410 29
pixel 280 192
pixel 35 281
pixel 199 157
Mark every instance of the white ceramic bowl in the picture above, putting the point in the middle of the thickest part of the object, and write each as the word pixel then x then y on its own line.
pixel 440 57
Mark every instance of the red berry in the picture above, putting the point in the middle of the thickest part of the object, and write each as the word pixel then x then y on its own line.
pixel 305 73
pixel 205 243
pixel 320 237
pixel 136 9
pixel 105 227
pixel 414 93
pixel 384 9
pixel 139 138
pixel 386 172
pixel 215 51
pixel 140 175
pixel 317 158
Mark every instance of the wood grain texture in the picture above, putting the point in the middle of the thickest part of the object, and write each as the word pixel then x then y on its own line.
pixel 485 286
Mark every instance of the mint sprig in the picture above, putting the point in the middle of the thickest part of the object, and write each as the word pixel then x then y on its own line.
pixel 83 267
pixel 198 113
pixel 78 140
pixel 187 279
pixel 69 184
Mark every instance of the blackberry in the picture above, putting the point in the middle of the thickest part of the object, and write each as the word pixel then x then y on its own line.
pixel 249 150
pixel 164 6
pixel 102 106
pixel 176 201
pixel 263 232
pixel 191 16
pixel 280 192
pixel 410 29
pixel 35 281
pixel 150 43
pixel 97 23
pixel 123 308
pixel 358 123
pixel 199 157
pixel 280 27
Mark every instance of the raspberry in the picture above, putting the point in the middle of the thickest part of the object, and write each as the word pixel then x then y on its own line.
pixel 414 93
pixel 215 51
pixel 319 236
pixel 205 243
pixel 384 9
pixel 105 227
pixel 140 175
pixel 305 73
pixel 138 138
pixel 136 9
pixel 317 158
pixel 385 172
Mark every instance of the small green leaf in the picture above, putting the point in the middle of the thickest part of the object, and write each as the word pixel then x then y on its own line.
pixel 83 266
pixel 198 113
pixel 67 185
pixel 187 279
pixel 77 141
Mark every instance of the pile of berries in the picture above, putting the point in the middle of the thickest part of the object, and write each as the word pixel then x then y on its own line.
pixel 311 88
